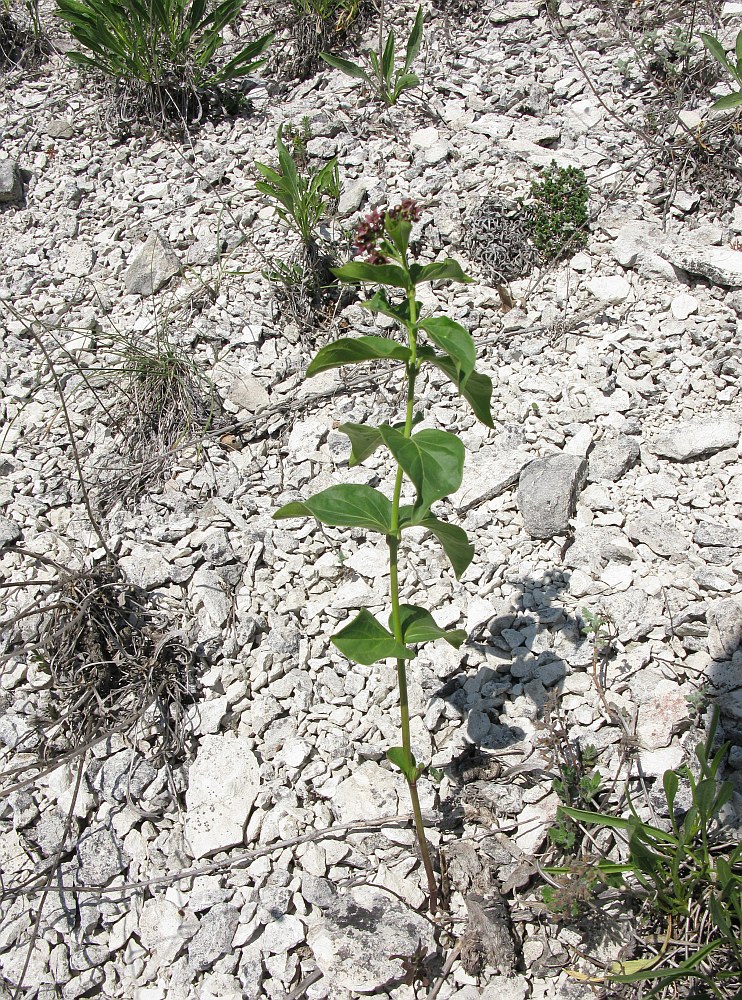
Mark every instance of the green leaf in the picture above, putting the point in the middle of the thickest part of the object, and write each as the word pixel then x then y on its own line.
pixel 670 783
pixel 379 303
pixel 716 49
pixel 380 274
pixel 728 102
pixel 404 761
pixel 387 59
pixel 455 543
pixel 364 440
pixel 354 350
pixel 347 67
pixel 433 460
pixel 418 625
pixel 440 270
pixel 347 506
pixel 406 81
pixel 399 231
pixel 476 389
pixel 415 40
pixel 366 641
pixel 455 340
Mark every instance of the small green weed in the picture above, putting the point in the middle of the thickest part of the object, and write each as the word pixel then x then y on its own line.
pixel 558 212
pixel 338 14
pixel 386 80
pixel 300 200
pixel 687 881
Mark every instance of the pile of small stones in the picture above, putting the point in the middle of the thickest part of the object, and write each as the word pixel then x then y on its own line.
pixel 264 860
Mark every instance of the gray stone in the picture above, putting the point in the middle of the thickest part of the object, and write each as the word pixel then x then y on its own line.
pixel 60 128
pixel 662 716
pixel 248 393
pixel 725 627
pixel 611 290
pixel 712 533
pixel 282 934
pixel 654 532
pixel 208 591
pixel 146 567
pixel 214 936
pixel 82 984
pixel 612 457
pixel 721 265
pixel 223 783
pixel 11 186
pixel 154 264
pixel 547 493
pixel 488 475
pixel 120 776
pixel 370 792
pixel 101 857
pixel 352 196
pixel 696 439
pixel 9 532
pixel 164 930
pixel 355 937
pixel 716 578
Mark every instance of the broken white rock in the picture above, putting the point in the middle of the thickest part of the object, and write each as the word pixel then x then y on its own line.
pixel 662 716
pixel 11 186
pixel 369 793
pixel 612 457
pixel 725 632
pixel 358 933
pixel 721 265
pixel 486 476
pixel 657 534
pixel 223 783
pixel 547 493
pixel 695 439
pixel 152 267
pixel 164 930
pixel 611 290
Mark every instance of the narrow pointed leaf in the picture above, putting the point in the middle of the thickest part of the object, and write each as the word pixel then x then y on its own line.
pixel 364 440
pixel 433 460
pixel 440 270
pixel 347 67
pixel 415 39
pixel 387 58
pixel 366 641
pixel 399 231
pixel 455 340
pixel 454 540
pixel 348 506
pixel 354 350
pixel 403 760
pixel 379 303
pixel 716 49
pixel 418 625
pixel 380 274
pixel 728 102
pixel 476 389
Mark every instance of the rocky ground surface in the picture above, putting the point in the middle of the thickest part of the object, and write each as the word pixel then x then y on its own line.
pixel 234 833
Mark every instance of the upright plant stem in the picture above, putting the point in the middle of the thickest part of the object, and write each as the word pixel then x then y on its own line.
pixel 393 541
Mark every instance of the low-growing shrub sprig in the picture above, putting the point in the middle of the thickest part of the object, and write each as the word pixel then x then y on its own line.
pixel 432 460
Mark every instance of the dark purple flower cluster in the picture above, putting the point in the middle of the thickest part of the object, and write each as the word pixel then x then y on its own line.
pixel 372 227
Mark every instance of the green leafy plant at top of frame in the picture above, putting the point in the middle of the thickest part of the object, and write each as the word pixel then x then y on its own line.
pixel 340 13
pixel 734 68
pixel 386 80
pixel 166 45
pixel 688 876
pixel 432 460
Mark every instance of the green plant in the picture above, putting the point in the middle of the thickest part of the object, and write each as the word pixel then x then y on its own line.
pixel 432 460
pixel 341 13
pixel 714 46
pixel 166 46
pixel 688 879
pixel 558 212
pixel 301 200
pixel 298 137
pixel 387 81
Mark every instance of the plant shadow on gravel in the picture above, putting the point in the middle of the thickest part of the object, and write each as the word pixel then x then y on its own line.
pixel 617 911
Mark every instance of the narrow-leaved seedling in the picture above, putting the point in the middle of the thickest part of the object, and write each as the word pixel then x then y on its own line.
pixel 387 81
pixel 734 69
pixel 433 460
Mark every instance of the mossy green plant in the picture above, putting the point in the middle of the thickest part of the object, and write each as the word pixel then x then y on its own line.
pixel 558 216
